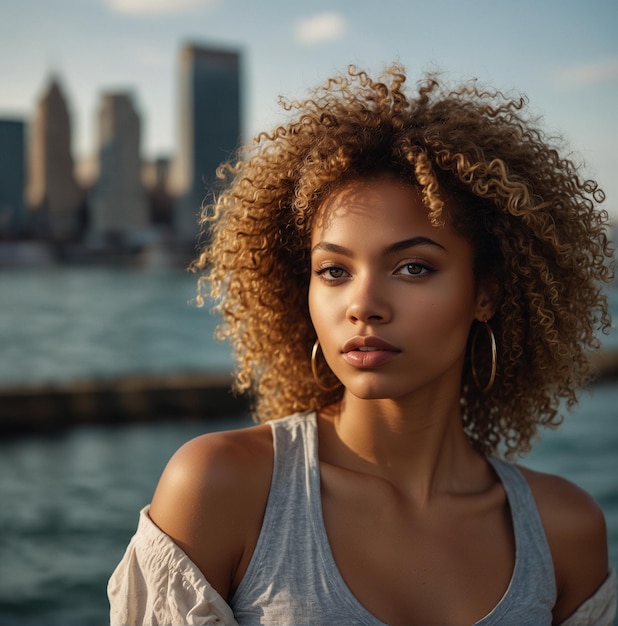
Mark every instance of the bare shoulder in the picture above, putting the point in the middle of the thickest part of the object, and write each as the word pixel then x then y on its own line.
pixel 211 499
pixel 576 532
pixel 569 509
pixel 217 464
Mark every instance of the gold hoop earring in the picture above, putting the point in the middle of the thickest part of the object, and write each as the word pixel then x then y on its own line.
pixel 494 358
pixel 314 368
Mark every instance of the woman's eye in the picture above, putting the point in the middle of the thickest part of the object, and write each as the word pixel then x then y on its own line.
pixel 331 273
pixel 413 269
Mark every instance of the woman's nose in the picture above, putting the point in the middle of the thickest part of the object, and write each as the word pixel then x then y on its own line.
pixel 368 302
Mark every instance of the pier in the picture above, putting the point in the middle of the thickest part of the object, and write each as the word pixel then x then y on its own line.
pixel 51 409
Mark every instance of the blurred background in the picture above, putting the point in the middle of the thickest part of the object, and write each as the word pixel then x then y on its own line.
pixel 113 117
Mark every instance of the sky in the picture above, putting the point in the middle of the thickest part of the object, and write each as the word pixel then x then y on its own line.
pixel 562 54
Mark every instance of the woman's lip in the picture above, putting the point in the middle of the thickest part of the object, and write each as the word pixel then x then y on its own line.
pixel 355 343
pixel 381 352
pixel 369 360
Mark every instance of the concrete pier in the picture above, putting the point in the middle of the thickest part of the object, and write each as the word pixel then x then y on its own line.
pixel 50 409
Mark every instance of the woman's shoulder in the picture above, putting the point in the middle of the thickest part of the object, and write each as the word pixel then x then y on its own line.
pixel 220 464
pixel 212 496
pixel 561 499
pixel 576 533
pixel 567 511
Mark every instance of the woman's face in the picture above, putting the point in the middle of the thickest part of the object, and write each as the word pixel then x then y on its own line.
pixel 391 296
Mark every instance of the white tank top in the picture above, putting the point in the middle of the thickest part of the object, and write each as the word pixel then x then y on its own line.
pixel 293 579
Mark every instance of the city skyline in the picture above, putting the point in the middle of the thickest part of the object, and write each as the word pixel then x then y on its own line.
pixel 562 54
pixel 127 203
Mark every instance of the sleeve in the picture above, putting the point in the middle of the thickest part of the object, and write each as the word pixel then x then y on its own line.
pixel 599 609
pixel 156 584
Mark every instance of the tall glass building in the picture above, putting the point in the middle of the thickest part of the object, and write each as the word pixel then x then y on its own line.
pixel 210 130
pixel 12 210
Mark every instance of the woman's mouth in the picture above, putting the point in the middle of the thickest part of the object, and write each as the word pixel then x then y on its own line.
pixel 368 352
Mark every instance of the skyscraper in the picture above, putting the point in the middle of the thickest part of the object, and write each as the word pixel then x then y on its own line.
pixel 118 205
pixel 12 213
pixel 52 189
pixel 210 129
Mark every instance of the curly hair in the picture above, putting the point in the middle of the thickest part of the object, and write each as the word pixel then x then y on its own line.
pixel 532 220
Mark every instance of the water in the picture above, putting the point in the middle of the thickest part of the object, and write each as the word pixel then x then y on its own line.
pixel 69 507
pixel 69 504
pixel 63 324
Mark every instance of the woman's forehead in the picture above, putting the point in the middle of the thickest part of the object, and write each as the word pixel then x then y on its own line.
pixel 375 202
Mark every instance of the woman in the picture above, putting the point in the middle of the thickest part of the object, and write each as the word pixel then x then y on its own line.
pixel 416 283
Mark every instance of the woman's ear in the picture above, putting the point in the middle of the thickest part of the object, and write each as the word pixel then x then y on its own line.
pixel 487 298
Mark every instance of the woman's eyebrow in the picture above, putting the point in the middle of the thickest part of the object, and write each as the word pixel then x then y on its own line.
pixel 332 247
pixel 394 247
pixel 411 243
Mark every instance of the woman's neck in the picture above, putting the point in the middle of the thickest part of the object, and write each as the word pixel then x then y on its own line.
pixel 419 446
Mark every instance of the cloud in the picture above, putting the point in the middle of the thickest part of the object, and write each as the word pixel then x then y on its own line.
pixel 320 27
pixel 600 72
pixel 158 7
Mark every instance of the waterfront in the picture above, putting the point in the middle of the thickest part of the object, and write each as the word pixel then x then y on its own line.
pixel 70 502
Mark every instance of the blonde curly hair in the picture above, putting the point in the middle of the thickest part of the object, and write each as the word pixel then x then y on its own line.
pixel 531 218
